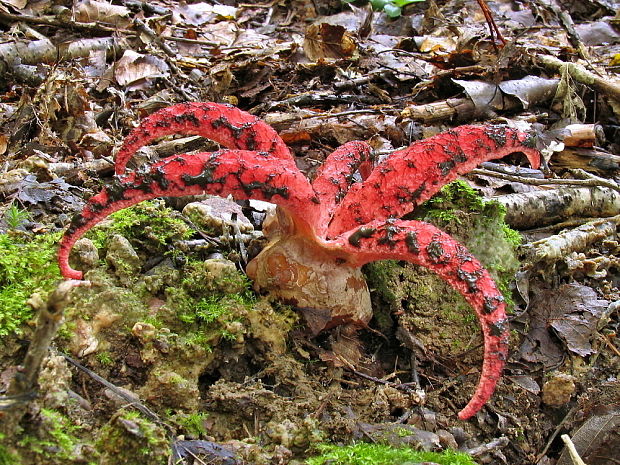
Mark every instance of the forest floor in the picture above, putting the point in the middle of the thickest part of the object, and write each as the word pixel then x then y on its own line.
pixel 168 355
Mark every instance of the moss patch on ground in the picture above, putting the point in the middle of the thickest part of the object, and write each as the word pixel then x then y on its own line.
pixel 27 265
pixel 378 454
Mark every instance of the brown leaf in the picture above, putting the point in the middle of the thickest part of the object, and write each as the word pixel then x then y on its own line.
pixel 325 41
pixel 597 441
pixel 134 68
pixel 581 310
pixel 90 11
pixel 573 311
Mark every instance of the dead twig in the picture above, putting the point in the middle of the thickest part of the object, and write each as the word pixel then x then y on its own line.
pixel 545 207
pixel 63 24
pixel 142 27
pixel 603 84
pixel 131 400
pixel 493 29
pixel 23 384
pixel 572 451
pixel 558 428
pixel 593 181
pixel 559 246
pixel 495 444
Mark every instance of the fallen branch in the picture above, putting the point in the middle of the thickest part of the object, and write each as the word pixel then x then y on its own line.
pixel 44 51
pixel 559 246
pixel 591 159
pixel 591 180
pixel 65 23
pixel 495 444
pixel 485 98
pixel 574 455
pixel 540 208
pixel 604 85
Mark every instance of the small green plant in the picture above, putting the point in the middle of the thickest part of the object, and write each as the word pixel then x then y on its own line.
pixel 379 454
pixel 27 265
pixel 392 8
pixel 105 358
pixel 15 216
pixel 193 423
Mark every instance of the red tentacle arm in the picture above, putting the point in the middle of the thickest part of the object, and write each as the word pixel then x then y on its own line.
pixel 336 176
pixel 425 245
pixel 242 174
pixel 224 124
pixel 411 176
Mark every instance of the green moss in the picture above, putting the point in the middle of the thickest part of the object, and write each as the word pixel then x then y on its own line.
pixel 378 454
pixel 27 265
pixel 210 296
pixel 105 358
pixel 6 456
pixel 456 195
pixel 58 440
pixel 217 277
pixel 426 305
pixel 148 221
pixel 15 216
pixel 193 424
pixel 131 439
pixel 459 210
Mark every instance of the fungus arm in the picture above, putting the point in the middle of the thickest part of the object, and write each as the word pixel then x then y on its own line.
pixel 242 174
pixel 411 176
pixel 425 245
pixel 224 124
pixel 336 176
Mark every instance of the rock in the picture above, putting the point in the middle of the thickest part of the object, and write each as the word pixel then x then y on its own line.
pixel 447 440
pixel 123 258
pixel 398 435
pixel 222 276
pixel 86 254
pixel 215 214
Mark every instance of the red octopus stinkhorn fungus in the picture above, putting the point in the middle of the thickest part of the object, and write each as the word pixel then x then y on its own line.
pixel 324 230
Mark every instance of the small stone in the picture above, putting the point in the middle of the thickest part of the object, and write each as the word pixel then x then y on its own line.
pixel 447 439
pixel 460 435
pixel 558 389
pixel 85 253
pixel 216 214
pixel 145 332
pixel 223 276
pixel 84 341
pixel 123 258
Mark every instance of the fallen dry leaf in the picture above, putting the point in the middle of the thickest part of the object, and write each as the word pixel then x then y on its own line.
pixel 325 41
pixel 573 310
pixel 134 69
